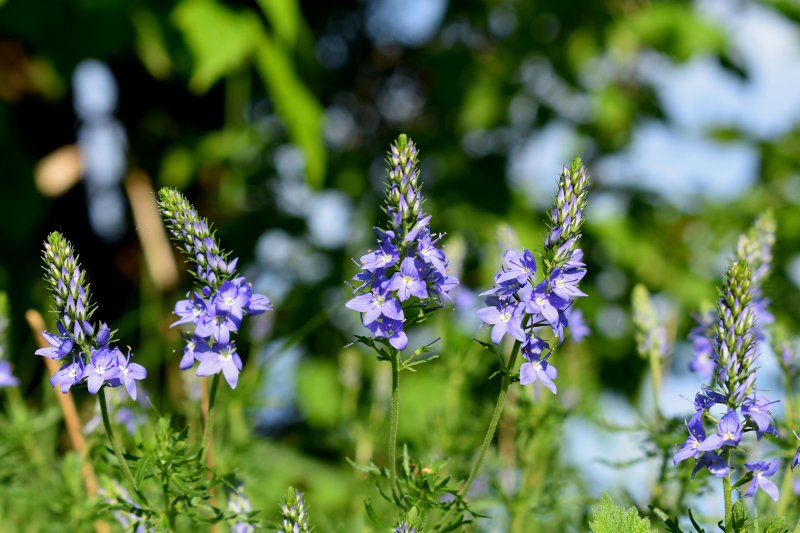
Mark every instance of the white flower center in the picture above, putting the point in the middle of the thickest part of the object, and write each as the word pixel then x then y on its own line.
pixel 407 281
pixel 100 369
pixel 540 301
pixel 728 436
pixel 228 301
pixel 225 356
pixel 505 316
pixel 537 366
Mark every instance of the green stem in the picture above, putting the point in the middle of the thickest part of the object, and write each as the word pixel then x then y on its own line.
pixel 487 440
pixel 116 446
pixel 726 489
pixel 395 415
pixel 655 371
pixel 498 411
pixel 212 397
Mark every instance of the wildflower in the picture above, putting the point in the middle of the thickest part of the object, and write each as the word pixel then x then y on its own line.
pixel 408 267
pixel 716 465
pixel 293 517
pixel 506 319
pixel 221 299
pixel 697 434
pixel 240 504
pixel 222 357
pixel 77 336
pixel 518 307
pixel 729 434
pixel 578 327
pixel 537 368
pixel 129 373
pixel 68 375
pixel 405 528
pixel 103 367
pixel 796 459
pixel 761 471
pixel 757 411
pixel 7 379
pixel 376 303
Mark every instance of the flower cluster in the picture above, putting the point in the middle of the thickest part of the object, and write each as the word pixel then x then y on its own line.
pixel 755 249
pixel 405 528
pixel 221 299
pixel 519 306
pixel 733 386
pixel 82 345
pixel 293 517
pixel 239 503
pixel 7 378
pixel 408 268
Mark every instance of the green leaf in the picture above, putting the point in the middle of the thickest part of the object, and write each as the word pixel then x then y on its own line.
pixel 775 524
pixel 286 19
pixel 219 39
pixel 741 518
pixel 611 518
pixel 296 105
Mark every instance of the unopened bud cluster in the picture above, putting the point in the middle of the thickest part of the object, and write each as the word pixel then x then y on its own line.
pixel 566 217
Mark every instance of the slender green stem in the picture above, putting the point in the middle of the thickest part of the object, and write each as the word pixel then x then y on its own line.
pixel 395 415
pixel 655 371
pixel 498 411
pixel 726 489
pixel 116 446
pixel 212 397
pixel 487 440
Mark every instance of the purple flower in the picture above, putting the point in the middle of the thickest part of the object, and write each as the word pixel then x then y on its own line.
pixel 536 368
pixel 129 373
pixel 564 283
pixel 796 459
pixel 757 410
pixel 546 304
pixel 195 348
pixel 7 379
pixel 729 433
pixel 505 320
pixel 717 466
pixel 189 311
pixel 232 299
pixel 519 267
pixel 218 324
pixel 390 329
pixel 707 398
pixel 386 256
pixel 258 304
pixel 222 358
pixel 68 375
pixel 697 434
pixel 407 282
pixel 578 327
pixel 374 304
pixel 761 471
pixel 428 252
pixel 102 367
pixel 60 345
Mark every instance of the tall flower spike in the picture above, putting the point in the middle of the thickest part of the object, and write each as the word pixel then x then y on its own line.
pixel 566 217
pixel 408 267
pixel 519 306
pixel 88 357
pixel 213 312
pixel 293 517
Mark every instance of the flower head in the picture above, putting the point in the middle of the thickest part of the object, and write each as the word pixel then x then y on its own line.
pixel 214 312
pixel 761 471
pixel 408 267
pixel 518 306
pixel 93 360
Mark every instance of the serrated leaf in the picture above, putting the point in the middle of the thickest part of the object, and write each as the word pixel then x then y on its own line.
pixel 611 518
pixel 741 520
pixel 776 524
